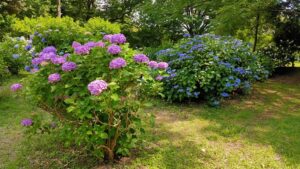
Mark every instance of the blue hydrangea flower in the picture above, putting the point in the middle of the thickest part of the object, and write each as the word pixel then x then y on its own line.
pixel 196 94
pixel 28 47
pixel 27 68
pixel 15 56
pixel 224 94
pixel 16 46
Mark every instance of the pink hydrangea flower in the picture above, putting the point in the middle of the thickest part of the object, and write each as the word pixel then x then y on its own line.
pixel 117 63
pixel 118 38
pixel 75 44
pixel 114 49
pixel 163 65
pixel 107 37
pixel 53 78
pixel 82 50
pixel 15 87
pixel 141 58
pixel 26 122
pixel 68 66
pixel 153 64
pixel 159 78
pixel 100 44
pixel 96 87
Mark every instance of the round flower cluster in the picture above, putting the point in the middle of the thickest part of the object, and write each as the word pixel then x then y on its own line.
pixel 163 65
pixel 153 64
pixel 82 50
pixel 96 87
pixel 26 122
pixel 15 87
pixel 53 78
pixel 141 58
pixel 114 49
pixel 107 37
pixel 117 63
pixel 68 66
pixel 118 38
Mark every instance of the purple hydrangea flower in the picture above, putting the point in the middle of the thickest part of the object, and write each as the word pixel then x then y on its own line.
pixel 15 87
pixel 159 78
pixel 100 44
pixel 118 38
pixel 163 65
pixel 107 37
pixel 117 63
pixel 82 50
pixel 66 55
pixel 53 78
pixel 49 49
pixel 153 64
pixel 90 44
pixel 141 58
pixel 68 66
pixel 37 61
pixel 26 122
pixel 96 87
pixel 47 56
pixel 58 60
pixel 75 44
pixel 114 49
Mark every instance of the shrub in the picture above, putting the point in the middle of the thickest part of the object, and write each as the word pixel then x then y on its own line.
pixel 15 53
pixel 211 67
pixel 96 93
pixel 280 55
pixel 61 32
pixel 98 26
pixel 3 70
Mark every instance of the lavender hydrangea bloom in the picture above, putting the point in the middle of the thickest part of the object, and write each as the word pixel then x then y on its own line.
pixel 53 78
pixel 114 49
pixel 90 44
pixel 26 122
pixel 159 78
pixel 107 37
pixel 68 66
pixel 58 60
pixel 141 58
pixel 16 46
pixel 15 87
pixel 47 56
pixel 117 63
pixel 82 50
pixel 66 55
pixel 37 61
pixel 100 44
pixel 118 38
pixel 49 49
pixel 96 87
pixel 163 65
pixel 75 44
pixel 153 64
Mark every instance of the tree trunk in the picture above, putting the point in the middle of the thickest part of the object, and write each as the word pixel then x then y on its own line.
pixel 58 8
pixel 256 32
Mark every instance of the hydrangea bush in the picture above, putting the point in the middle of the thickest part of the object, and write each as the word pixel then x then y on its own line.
pixel 96 92
pixel 16 53
pixel 210 67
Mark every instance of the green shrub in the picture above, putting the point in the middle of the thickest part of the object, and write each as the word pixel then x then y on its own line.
pixel 105 122
pixel 210 67
pixel 98 26
pixel 15 53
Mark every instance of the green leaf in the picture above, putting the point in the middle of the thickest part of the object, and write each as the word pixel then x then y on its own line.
pixel 115 97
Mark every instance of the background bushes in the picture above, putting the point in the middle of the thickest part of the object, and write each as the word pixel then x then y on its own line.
pixel 211 67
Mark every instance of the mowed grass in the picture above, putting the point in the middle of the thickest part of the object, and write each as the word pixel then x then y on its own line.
pixel 261 130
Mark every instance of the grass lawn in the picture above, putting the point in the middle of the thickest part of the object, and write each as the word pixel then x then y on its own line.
pixel 261 130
